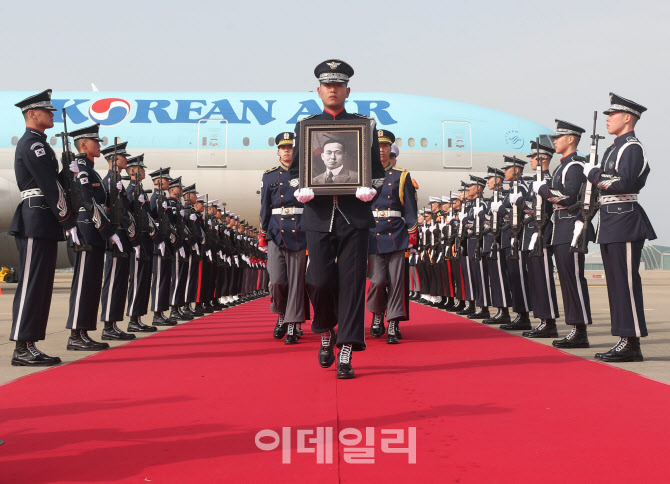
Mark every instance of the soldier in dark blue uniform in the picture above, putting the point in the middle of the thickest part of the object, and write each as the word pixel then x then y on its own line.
pixel 176 215
pixel 478 267
pixel 539 253
pixel 425 234
pixel 337 229
pixel 97 233
pixel 190 268
pixel 437 291
pixel 623 227
pixel 461 249
pixel 115 280
pixel 39 222
pixel 282 237
pixel 563 192
pixel 395 231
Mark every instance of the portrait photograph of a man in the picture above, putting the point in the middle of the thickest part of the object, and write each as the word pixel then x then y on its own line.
pixel 334 159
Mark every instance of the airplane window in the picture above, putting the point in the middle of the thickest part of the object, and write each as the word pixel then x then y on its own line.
pixel 410 142
pixel 53 141
pixel 398 141
pixel 245 141
pixel 424 142
pixel 204 141
pixel 271 141
pixel 15 140
pixel 104 141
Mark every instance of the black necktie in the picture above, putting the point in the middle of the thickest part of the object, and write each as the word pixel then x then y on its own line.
pixel 329 177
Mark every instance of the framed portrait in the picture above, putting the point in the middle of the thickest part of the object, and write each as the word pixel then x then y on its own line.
pixel 335 155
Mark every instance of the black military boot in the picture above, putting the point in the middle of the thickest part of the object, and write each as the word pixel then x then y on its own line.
pixel 468 309
pixel 326 351
pixel 298 329
pixel 546 329
pixel 195 311
pixel 520 323
pixel 206 308
pixel 626 350
pixel 280 328
pixel 414 296
pixel 291 336
pixel 112 332
pixel 458 306
pixel 184 316
pixel 161 320
pixel 177 315
pixel 576 339
pixel 448 304
pixel 81 341
pixel 481 313
pixel 397 330
pixel 344 369
pixel 377 328
pixel 137 326
pixel 392 334
pixel 501 317
pixel 27 354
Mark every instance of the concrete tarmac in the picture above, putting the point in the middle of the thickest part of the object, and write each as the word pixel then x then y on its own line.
pixel 655 347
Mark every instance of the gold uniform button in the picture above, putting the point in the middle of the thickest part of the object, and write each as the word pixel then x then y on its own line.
pixel 389 184
pixel 389 233
pixel 282 196
pixel 389 196
pixel 292 230
pixel 389 220
pixel 281 183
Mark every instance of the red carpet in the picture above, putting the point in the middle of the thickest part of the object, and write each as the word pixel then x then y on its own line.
pixel 185 406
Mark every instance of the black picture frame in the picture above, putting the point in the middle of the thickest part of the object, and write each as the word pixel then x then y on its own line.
pixel 350 161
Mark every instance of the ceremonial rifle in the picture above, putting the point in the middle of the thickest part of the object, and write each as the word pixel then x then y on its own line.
pixel 163 220
pixel 516 226
pixel 478 228
pixel 115 202
pixel 539 215
pixel 495 225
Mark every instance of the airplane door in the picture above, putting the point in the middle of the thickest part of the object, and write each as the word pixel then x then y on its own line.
pixel 212 143
pixel 456 144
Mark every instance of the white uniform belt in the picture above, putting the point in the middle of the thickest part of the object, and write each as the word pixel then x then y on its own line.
pixel 33 192
pixel 287 211
pixel 386 213
pixel 609 199
pixel 559 207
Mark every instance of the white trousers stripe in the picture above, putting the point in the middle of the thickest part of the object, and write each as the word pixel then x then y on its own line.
pixel 134 298
pixel 502 285
pixel 158 284
pixel 188 278
pixel 175 280
pixel 24 287
pixel 547 275
pixel 82 268
pixel 579 289
pixel 523 283
pixel 111 285
pixel 629 267
pixel 481 273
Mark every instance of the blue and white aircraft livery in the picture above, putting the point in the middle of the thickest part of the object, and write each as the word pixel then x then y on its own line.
pixel 224 141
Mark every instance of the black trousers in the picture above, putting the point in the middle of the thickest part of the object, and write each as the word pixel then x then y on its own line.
pixel 160 285
pixel 466 271
pixel 542 286
pixel 114 287
pixel 575 292
pixel 192 269
pixel 499 280
pixel 86 288
pixel 480 281
pixel 424 277
pixel 436 280
pixel 337 289
pixel 178 277
pixel 456 278
pixel 518 280
pixel 139 287
pixel 32 299
pixel 624 287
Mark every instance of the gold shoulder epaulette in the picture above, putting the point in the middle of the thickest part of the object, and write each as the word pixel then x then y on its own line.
pixel 272 169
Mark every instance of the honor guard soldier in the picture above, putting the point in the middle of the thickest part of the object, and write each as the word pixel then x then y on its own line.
pixel 446 230
pixel 97 233
pixel 424 249
pixel 623 227
pixel 511 243
pixel 437 293
pixel 39 222
pixel 536 243
pixel 478 268
pixel 163 256
pixel 140 265
pixel 117 264
pixel 563 192
pixel 395 231
pixel 176 214
pixel 415 284
pixel 453 253
pixel 337 230
pixel 461 249
pixel 281 236
pixel 190 267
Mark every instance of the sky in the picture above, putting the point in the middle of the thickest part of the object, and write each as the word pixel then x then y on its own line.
pixel 538 60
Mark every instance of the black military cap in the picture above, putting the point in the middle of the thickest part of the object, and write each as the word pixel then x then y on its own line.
pixel 564 128
pixel 175 182
pixel 544 149
pixel 620 104
pixel 137 161
pixel 333 70
pixel 160 173
pixel 512 161
pixel 284 139
pixel 37 101
pixel 477 181
pixel 120 150
pixel 89 132
pixel 385 136
pixel 494 172
pixel 190 189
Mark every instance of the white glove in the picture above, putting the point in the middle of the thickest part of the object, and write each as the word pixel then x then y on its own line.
pixel 193 217
pixel 209 254
pixel 164 205
pixel 538 184
pixel 141 198
pixel 72 233
pixel 161 247
pixel 450 218
pixel 533 239
pixel 221 255
pixel 365 194
pixel 495 206
pixel 588 169
pixel 74 167
pixel 137 252
pixel 195 247
pixel 182 252
pixel 304 195
pixel 209 222
pixel 182 212
pixel 579 225
pixel 263 249
pixel 513 197
pixel 477 210
pixel 114 239
pixel 119 186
